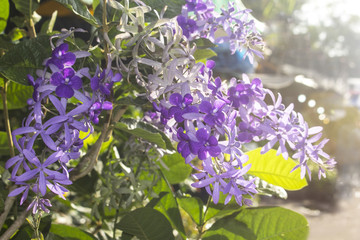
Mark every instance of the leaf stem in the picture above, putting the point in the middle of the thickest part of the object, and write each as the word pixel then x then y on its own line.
pixel 30 24
pixel 105 30
pixel 6 116
pixel 201 227
pixel 9 200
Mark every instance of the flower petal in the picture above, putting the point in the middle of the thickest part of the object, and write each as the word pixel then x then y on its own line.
pixel 64 91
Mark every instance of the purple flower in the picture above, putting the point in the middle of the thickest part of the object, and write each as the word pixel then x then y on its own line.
pixel 209 176
pixel 61 58
pixel 19 190
pixel 215 85
pixel 206 146
pixel 181 106
pixel 39 204
pixel 96 109
pixel 65 82
pixel 247 132
pixel 184 143
pixel 214 114
pixel 104 80
pixel 187 25
pixel 37 129
pixel 40 172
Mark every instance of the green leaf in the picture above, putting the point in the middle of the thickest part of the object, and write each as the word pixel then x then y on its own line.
pixel 139 101
pixel 68 232
pixel 146 223
pixel 177 170
pixel 26 7
pixel 144 131
pixel 79 9
pixel 17 34
pixel 203 54
pixel 173 6
pixel 168 206
pixel 194 207
pixel 17 95
pixel 4 14
pixel 202 43
pixel 25 58
pixel 4 146
pixel 220 210
pixel 260 224
pixel 275 169
pixel 25 232
pixel 156 200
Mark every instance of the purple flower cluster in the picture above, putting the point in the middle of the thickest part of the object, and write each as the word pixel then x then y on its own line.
pixel 214 124
pixel 56 128
pixel 199 19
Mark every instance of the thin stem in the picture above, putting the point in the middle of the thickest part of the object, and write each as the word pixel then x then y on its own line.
pixel 105 30
pixel 6 116
pixel 201 227
pixel 9 200
pixel 31 25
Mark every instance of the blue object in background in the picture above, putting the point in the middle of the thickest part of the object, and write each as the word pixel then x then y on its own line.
pixel 231 63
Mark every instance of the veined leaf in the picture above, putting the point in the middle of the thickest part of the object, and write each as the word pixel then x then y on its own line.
pixel 177 170
pixel 202 54
pixel 17 95
pixel 168 206
pixel 173 6
pixel 146 223
pixel 203 43
pixel 4 146
pixel 79 9
pixel 26 7
pixel 144 131
pixel 4 14
pixel 25 58
pixel 259 224
pixel 68 232
pixel 194 207
pixel 275 169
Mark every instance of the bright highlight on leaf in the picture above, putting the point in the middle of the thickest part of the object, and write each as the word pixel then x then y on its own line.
pixel 271 223
pixel 275 169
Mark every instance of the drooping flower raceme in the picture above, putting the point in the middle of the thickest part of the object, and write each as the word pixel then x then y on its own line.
pixel 42 170
pixel 233 26
pixel 212 119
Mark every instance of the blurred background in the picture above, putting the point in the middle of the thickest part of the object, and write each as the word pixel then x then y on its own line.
pixel 312 58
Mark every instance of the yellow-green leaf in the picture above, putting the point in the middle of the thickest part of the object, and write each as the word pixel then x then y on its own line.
pixel 275 169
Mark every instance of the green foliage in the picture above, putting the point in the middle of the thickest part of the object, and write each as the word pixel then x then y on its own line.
pixel 26 7
pixel 144 131
pixel 194 207
pixel 168 206
pixel 62 232
pixel 137 166
pixel 203 54
pixel 220 210
pixel 17 95
pixel 79 9
pixel 25 58
pixel 176 170
pixel 260 223
pixel 275 169
pixel 4 14
pixel 146 223
pixel 203 43
pixel 173 6
pixel 4 146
